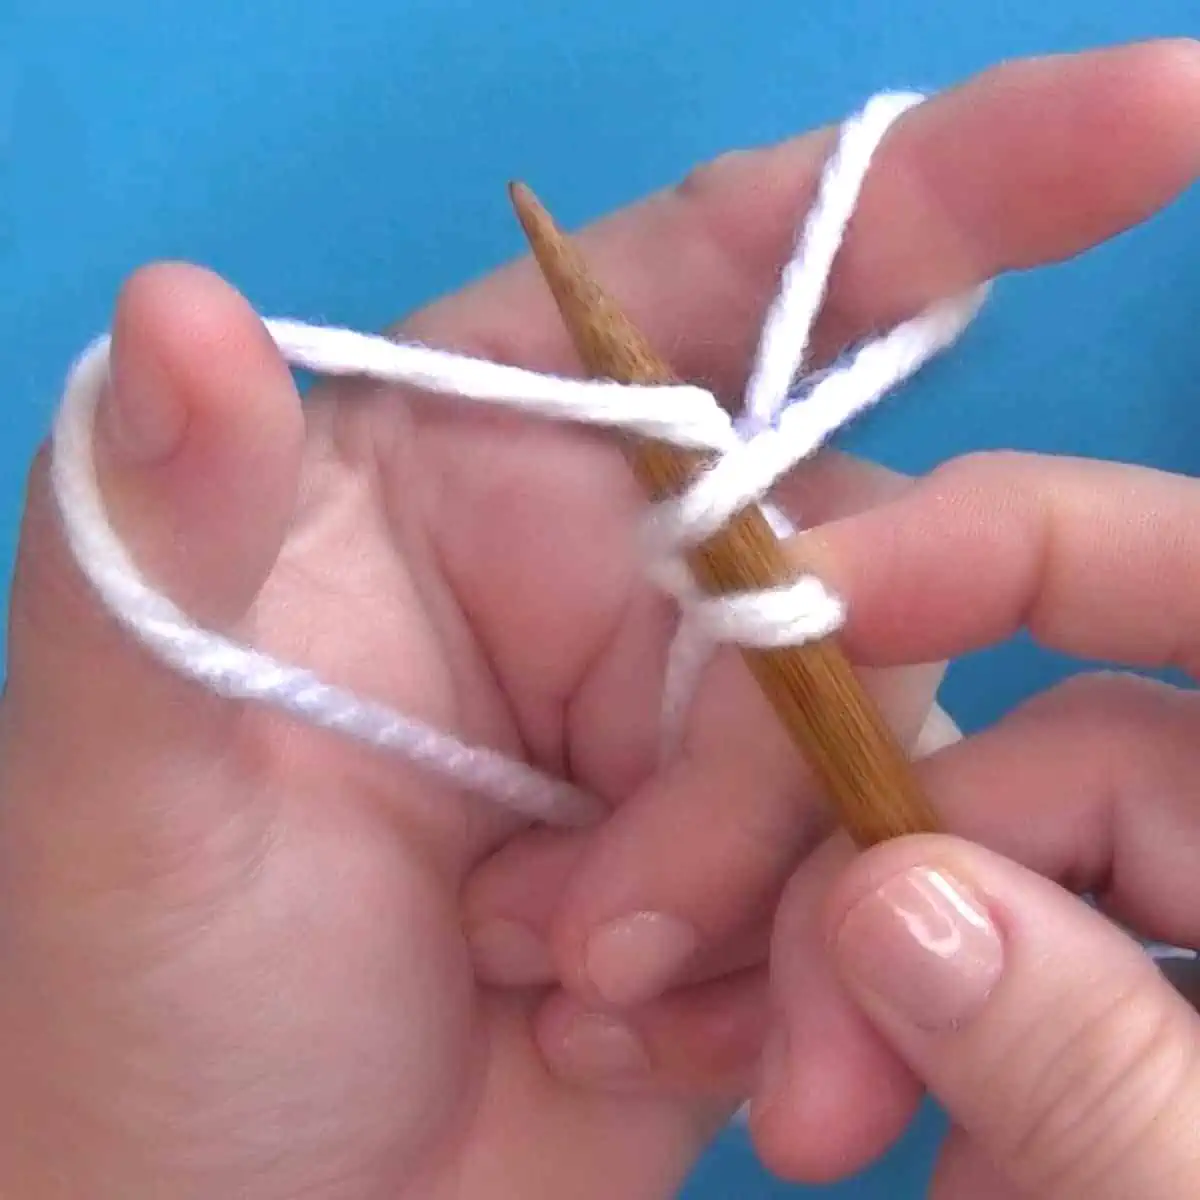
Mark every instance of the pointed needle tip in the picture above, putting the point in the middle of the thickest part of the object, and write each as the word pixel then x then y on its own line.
pixel 535 220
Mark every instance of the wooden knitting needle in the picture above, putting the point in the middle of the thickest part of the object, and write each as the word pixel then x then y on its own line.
pixel 812 687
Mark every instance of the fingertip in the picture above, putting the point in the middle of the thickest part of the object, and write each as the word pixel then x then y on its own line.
pixel 1172 94
pixel 509 953
pixel 995 985
pixel 700 1043
pixel 823 1112
pixel 1137 103
pixel 201 339
pixel 201 437
pixel 509 902
pixel 1167 74
pixel 1144 104
pixel 592 1048
pixel 832 1095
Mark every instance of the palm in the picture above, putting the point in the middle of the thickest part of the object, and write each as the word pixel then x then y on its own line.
pixel 288 907
pixel 390 534
pixel 324 932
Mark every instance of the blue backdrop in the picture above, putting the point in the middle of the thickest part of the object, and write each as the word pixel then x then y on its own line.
pixel 342 161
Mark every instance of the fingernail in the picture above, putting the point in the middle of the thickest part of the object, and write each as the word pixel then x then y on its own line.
pixel 634 958
pixel 924 946
pixel 144 417
pixel 510 954
pixel 599 1047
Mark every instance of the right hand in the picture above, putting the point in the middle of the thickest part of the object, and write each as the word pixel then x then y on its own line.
pixel 1069 1065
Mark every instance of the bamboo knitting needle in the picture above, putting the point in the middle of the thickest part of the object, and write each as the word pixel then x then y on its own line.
pixel 812 688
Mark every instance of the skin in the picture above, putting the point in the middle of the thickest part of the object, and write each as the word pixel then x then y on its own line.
pixel 238 954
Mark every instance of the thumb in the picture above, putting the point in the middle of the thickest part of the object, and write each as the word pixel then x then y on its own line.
pixel 107 756
pixel 1049 1036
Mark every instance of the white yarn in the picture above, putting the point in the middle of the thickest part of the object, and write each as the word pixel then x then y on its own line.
pixel 782 426
pixel 784 344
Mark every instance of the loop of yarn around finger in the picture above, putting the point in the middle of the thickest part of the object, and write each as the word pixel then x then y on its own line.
pixel 787 418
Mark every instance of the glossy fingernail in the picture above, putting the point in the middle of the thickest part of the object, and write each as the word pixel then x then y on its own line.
pixel 635 958
pixel 924 946
pixel 600 1048
pixel 144 417
pixel 510 954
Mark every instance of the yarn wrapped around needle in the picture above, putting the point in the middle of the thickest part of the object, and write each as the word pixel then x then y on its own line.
pixel 787 418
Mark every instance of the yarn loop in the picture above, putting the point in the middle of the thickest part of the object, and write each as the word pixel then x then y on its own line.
pixel 787 417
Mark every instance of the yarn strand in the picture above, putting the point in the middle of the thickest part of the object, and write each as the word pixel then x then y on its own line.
pixel 780 428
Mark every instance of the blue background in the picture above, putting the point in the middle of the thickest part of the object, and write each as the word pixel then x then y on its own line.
pixel 345 161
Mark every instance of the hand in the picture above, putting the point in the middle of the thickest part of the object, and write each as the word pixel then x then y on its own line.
pixel 712 858
pixel 1069 1064
pixel 234 959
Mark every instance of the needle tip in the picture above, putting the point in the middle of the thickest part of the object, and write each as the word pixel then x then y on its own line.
pixel 533 217
pixel 607 343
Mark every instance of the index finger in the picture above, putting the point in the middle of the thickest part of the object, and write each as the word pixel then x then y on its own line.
pixel 1028 163
pixel 1096 559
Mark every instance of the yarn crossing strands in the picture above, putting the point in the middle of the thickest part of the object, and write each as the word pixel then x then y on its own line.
pixel 787 418
pixel 811 689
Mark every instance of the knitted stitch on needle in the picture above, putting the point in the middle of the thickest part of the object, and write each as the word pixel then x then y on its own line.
pixel 787 417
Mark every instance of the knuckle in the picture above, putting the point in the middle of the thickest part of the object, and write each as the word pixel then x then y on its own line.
pixel 710 215
pixel 1090 1109
pixel 707 178
pixel 979 472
